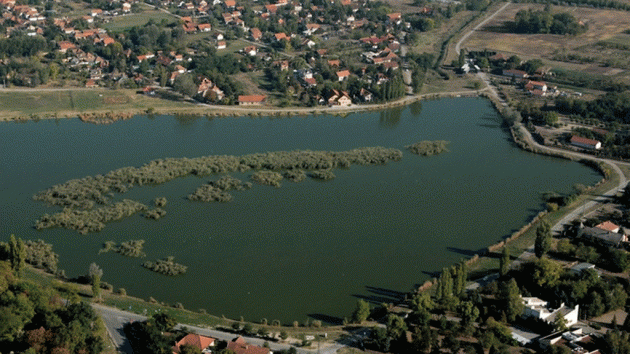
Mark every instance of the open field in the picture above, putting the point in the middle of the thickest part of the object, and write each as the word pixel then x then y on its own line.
pixel 120 23
pixel 61 103
pixel 603 25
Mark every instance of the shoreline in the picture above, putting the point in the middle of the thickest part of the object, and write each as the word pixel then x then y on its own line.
pixel 202 109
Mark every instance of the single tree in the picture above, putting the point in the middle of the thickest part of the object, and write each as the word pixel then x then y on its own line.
pixel 510 299
pixel 504 264
pixel 94 274
pixel 542 244
pixel 361 312
pixel 17 254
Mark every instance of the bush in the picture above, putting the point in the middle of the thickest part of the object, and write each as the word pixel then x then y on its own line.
pixel 122 291
pixel 428 148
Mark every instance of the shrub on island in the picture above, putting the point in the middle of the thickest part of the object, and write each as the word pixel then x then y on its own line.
pixel 165 266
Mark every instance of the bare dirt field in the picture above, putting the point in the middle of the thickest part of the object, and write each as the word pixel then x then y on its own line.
pixel 603 25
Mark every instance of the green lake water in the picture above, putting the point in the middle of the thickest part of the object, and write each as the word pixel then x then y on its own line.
pixel 310 248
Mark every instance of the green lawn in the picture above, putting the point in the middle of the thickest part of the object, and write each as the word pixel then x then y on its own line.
pixel 121 23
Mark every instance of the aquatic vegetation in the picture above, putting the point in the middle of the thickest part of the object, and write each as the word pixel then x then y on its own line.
pixel 322 174
pixel 131 248
pixel 160 202
pixel 428 148
pixel 267 178
pixel 215 191
pixel 86 221
pixel 294 175
pixel 155 214
pixel 88 201
pixel 166 266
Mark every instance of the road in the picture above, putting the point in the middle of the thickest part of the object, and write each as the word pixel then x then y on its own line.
pixel 482 23
pixel 115 320
pixel 573 215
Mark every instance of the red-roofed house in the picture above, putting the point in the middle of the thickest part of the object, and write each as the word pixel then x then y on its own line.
pixel 395 18
pixel 608 226
pixel 339 99
pixel 250 50
pixel 256 34
pixel 281 36
pixel 204 27
pixel 239 346
pixel 230 4
pixel 202 342
pixel 343 74
pixel 251 100
pixel 64 46
pixel 585 143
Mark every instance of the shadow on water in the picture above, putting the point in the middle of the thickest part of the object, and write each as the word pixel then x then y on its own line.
pixel 433 274
pixel 465 252
pixel 380 295
pixel 332 320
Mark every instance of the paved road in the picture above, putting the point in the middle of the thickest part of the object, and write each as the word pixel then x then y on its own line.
pixel 464 37
pixel 575 214
pixel 115 320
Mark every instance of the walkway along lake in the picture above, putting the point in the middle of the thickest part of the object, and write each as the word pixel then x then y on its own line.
pixel 302 249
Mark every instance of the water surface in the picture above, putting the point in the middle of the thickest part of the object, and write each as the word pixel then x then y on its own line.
pixel 302 249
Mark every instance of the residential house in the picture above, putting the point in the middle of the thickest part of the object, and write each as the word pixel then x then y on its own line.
pixel 395 18
pixel 203 343
pixel 221 45
pixel 281 36
pixel 204 27
pixel 365 95
pixel 250 50
pixel 339 98
pixel 537 308
pixel 602 236
pixel 256 34
pixel 342 75
pixel 537 88
pixel 518 74
pixel 126 7
pixel 239 346
pixel 585 143
pixel 581 267
pixel 64 46
pixel 608 226
pixel 251 100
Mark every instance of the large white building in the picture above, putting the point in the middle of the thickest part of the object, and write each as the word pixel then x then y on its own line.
pixel 535 307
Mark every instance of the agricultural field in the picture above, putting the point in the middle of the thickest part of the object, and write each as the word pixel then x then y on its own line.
pixel 604 49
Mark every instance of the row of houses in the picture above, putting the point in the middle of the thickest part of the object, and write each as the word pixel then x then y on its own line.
pixel 207 345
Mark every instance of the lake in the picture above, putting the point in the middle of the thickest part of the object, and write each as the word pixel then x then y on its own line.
pixel 304 249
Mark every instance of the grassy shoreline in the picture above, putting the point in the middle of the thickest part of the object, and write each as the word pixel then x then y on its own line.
pixel 71 103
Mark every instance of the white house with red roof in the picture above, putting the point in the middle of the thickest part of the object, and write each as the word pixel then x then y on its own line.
pixel 585 143
pixel 203 343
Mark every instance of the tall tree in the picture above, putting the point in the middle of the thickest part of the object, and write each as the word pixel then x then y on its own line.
pixel 361 312
pixel 543 239
pixel 510 299
pixel 17 254
pixel 504 264
pixel 94 274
